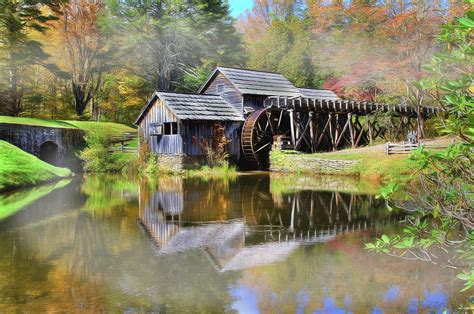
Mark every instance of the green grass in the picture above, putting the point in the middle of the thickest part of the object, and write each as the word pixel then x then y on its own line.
pixel 88 126
pixel 373 165
pixel 376 164
pixel 224 171
pixel 100 127
pixel 36 122
pixel 20 169
pixel 13 203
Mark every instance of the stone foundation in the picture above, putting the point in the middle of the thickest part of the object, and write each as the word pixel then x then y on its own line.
pixel 177 163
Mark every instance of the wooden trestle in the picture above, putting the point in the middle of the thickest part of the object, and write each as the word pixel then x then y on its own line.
pixel 313 125
pixel 319 125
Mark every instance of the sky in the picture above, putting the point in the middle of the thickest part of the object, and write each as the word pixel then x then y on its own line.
pixel 238 7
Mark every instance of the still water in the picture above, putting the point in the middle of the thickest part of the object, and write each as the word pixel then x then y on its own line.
pixel 258 243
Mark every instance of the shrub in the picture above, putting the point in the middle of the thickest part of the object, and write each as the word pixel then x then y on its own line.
pixel 96 157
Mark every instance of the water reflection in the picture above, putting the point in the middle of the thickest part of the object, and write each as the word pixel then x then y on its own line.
pixel 255 244
pixel 178 216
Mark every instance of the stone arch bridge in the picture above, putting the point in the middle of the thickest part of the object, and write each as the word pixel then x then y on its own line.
pixel 57 146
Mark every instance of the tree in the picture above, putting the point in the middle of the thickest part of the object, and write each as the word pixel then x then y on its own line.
pixel 440 229
pixel 277 39
pixel 18 52
pixel 371 49
pixel 85 49
pixel 165 40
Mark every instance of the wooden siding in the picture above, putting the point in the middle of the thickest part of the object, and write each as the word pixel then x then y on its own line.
pixel 230 94
pixel 193 132
pixel 232 132
pixel 165 144
pixel 254 101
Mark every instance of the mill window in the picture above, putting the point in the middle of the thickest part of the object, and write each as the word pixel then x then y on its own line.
pixel 170 128
pixel 220 88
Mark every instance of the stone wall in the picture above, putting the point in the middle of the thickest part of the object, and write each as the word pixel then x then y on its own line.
pixel 30 139
pixel 294 162
pixel 177 163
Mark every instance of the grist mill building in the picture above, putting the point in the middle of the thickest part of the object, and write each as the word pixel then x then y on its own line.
pixel 257 110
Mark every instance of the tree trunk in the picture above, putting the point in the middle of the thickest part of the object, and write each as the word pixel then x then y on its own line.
pixel 420 123
pixel 82 96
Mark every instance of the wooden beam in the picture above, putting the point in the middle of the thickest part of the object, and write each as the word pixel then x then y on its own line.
pixel 338 139
pixel 303 133
pixel 323 132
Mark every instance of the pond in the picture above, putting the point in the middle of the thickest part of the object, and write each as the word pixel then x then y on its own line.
pixel 258 243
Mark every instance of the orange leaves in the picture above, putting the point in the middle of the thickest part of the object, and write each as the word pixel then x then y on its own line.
pixel 374 47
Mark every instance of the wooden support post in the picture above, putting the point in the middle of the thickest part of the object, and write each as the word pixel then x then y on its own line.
pixel 292 126
pixel 371 129
pixel 311 131
pixel 341 135
pixel 330 129
pixel 351 129
pixel 297 128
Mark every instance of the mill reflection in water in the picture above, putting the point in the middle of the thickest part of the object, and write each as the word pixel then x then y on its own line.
pixel 259 243
pixel 252 227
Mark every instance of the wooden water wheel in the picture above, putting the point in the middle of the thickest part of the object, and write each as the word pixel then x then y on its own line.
pixel 257 136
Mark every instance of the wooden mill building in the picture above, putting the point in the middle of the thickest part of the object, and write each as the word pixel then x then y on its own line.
pixel 173 124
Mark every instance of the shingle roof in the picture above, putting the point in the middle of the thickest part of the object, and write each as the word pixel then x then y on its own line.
pixel 257 82
pixel 195 107
pixel 318 94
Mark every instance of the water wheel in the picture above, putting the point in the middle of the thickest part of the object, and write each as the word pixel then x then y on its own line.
pixel 257 136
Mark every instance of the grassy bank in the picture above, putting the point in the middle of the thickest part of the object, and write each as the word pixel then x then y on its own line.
pixel 374 165
pixel 88 126
pixel 20 169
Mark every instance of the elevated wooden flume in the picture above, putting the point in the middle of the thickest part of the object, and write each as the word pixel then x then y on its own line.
pixel 312 125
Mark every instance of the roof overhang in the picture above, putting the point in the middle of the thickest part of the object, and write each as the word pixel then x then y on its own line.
pixel 146 108
pixel 216 71
pixel 209 80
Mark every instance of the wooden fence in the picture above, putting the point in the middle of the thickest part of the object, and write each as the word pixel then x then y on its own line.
pixel 119 143
pixel 122 149
pixel 122 138
pixel 407 148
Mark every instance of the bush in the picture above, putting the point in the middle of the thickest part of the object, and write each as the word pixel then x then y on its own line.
pixel 96 157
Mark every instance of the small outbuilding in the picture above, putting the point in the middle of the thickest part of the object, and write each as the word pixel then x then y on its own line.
pixel 174 125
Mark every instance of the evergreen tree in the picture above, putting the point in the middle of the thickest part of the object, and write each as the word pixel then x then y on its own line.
pixel 163 41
